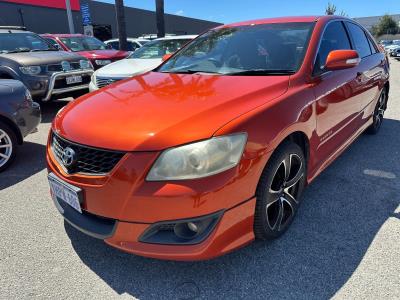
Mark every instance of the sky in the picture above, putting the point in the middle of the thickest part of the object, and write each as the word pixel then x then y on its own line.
pixel 227 11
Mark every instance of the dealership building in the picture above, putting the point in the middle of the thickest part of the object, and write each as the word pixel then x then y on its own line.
pixel 49 16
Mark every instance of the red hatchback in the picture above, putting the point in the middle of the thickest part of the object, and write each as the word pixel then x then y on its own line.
pixel 214 148
pixel 93 49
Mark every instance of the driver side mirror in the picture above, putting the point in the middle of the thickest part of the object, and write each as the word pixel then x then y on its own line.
pixel 166 56
pixel 342 59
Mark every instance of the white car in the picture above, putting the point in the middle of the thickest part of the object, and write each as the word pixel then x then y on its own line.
pixel 133 44
pixel 395 44
pixel 141 61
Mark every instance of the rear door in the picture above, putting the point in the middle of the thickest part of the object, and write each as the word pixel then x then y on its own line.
pixel 370 69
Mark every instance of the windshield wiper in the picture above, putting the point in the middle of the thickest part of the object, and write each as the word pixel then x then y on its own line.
pixel 262 72
pixel 189 71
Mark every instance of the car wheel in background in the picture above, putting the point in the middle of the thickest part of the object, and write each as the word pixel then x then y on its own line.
pixel 279 191
pixel 8 146
pixel 378 113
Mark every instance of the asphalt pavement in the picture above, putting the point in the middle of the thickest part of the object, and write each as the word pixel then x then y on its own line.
pixel 344 243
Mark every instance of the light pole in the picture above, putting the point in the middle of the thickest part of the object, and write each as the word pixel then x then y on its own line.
pixel 160 18
pixel 69 15
pixel 121 24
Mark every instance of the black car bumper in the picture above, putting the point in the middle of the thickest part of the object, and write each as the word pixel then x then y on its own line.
pixel 28 117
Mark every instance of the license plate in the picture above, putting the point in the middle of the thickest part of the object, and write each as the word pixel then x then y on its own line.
pixel 74 79
pixel 65 192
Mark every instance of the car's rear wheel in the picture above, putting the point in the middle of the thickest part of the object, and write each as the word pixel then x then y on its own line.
pixel 8 146
pixel 279 191
pixel 379 112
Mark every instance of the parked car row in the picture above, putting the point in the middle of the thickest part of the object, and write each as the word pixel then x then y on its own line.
pixel 49 66
pixel 391 47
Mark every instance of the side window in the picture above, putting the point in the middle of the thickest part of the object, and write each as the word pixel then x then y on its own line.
pixel 372 45
pixel 361 43
pixel 52 42
pixel 334 38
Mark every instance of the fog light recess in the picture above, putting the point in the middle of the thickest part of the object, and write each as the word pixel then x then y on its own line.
pixel 181 232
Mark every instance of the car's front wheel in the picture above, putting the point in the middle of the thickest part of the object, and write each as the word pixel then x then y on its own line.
pixel 8 146
pixel 279 191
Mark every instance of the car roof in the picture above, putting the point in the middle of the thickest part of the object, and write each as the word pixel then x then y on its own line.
pixel 294 19
pixel 62 35
pixel 2 30
pixel 129 39
pixel 177 37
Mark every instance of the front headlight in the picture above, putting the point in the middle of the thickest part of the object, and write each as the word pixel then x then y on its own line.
pixel 199 159
pixel 31 70
pixel 102 62
pixel 85 64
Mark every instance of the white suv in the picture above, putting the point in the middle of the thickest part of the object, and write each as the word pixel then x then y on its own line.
pixel 141 61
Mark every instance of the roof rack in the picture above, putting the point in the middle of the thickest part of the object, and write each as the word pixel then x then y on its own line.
pixel 13 27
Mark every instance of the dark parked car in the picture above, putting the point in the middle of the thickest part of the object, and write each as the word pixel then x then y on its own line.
pixel 19 116
pixel 45 71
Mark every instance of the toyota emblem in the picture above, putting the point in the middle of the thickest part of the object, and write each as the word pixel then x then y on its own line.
pixel 68 157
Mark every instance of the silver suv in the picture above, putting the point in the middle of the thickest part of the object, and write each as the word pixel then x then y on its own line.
pixel 47 72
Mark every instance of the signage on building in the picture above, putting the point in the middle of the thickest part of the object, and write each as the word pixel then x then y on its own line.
pixel 88 30
pixel 48 3
pixel 86 18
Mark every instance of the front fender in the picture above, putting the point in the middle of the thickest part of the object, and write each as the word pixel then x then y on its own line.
pixel 269 125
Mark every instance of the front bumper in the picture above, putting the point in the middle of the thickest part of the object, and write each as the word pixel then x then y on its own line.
pixel 53 90
pixel 126 198
pixel 44 87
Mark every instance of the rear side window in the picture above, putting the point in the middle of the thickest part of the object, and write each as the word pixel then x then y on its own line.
pixel 52 42
pixel 372 45
pixel 361 43
pixel 334 38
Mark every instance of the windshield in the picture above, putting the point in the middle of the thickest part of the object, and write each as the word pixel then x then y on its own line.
pixel 248 50
pixel 23 42
pixel 84 43
pixel 157 49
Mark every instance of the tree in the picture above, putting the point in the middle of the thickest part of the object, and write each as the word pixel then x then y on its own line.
pixel 121 24
pixel 330 9
pixel 386 25
pixel 160 18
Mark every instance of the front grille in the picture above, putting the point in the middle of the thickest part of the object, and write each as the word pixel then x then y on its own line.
pixel 58 68
pixel 103 81
pixel 88 160
pixel 61 81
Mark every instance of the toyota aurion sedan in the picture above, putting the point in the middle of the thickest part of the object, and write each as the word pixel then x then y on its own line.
pixel 213 149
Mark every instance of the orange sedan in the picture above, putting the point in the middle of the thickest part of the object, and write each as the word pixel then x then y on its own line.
pixel 213 149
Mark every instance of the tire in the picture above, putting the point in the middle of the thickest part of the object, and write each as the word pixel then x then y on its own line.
pixel 8 146
pixel 278 195
pixel 378 114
